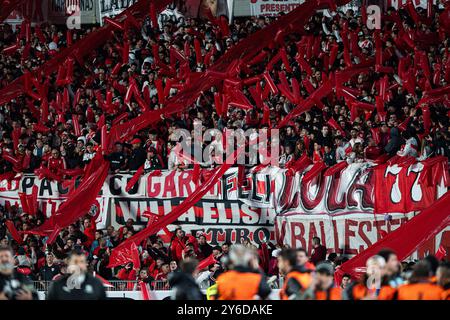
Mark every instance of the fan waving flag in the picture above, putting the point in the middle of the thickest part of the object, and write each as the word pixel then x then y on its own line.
pixel 205 263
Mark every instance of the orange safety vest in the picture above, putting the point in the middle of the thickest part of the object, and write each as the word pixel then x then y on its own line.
pixel 304 278
pixel 445 295
pixel 419 291
pixel 387 293
pixel 235 285
pixel 359 291
pixel 330 294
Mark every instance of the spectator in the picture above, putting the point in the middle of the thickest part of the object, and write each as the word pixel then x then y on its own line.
pixel 50 269
pixel 183 283
pixel 319 252
pixel 138 155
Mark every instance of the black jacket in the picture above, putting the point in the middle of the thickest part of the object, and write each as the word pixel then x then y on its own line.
pixel 184 287
pixel 47 273
pixel 394 143
pixel 9 285
pixel 137 158
pixel 64 289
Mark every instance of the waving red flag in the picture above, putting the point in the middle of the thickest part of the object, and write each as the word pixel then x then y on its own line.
pixel 206 262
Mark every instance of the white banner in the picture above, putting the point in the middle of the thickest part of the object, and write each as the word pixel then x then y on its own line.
pixel 348 234
pixel 325 205
pixel 111 8
pixel 58 11
pixel 243 8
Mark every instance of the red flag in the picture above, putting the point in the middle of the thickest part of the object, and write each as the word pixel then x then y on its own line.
pixel 135 257
pixel 206 262
pixel 144 290
pixel 13 231
pixel 196 174
pixel 135 178
pixel 331 171
pixel 441 253
pixel 315 170
pixel 198 51
pixel 76 125
pixel 24 202
pixel 333 124
pixel 79 201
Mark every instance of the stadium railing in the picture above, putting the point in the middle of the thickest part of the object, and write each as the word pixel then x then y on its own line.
pixel 115 285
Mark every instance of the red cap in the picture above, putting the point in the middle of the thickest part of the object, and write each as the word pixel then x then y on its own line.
pixel 136 141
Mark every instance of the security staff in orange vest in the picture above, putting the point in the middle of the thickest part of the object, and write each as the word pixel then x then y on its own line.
pixel 297 279
pixel 324 283
pixel 243 281
pixel 303 259
pixel 419 287
pixel 443 279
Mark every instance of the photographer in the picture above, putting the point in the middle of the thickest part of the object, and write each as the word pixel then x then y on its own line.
pixel 13 285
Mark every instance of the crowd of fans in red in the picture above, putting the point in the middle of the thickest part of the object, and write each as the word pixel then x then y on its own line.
pixel 54 144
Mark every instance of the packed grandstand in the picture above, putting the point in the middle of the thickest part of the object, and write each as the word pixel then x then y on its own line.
pixel 225 150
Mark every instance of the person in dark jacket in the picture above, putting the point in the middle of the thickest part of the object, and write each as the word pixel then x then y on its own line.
pixel 117 158
pixel 395 142
pixel 138 155
pixel 78 284
pixel 50 270
pixel 329 156
pixel 153 161
pixel 204 248
pixel 183 283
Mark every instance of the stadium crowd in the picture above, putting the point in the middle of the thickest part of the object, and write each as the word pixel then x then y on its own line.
pixel 332 133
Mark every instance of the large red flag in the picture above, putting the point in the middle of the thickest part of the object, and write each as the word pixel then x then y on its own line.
pixel 77 204
pixel 406 239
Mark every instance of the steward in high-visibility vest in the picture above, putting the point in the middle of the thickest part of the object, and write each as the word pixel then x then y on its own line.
pixel 420 287
pixel 324 283
pixel 211 292
pixel 242 282
pixel 297 279
pixel 443 279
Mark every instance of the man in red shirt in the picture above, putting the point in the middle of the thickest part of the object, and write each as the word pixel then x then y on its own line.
pixel 319 252
pixel 89 230
pixel 56 162
pixel 178 244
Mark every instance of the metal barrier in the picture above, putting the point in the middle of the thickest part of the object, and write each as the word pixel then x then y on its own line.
pixel 116 285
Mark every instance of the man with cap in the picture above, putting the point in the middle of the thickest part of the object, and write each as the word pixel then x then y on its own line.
pixel 137 156
pixel 324 283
